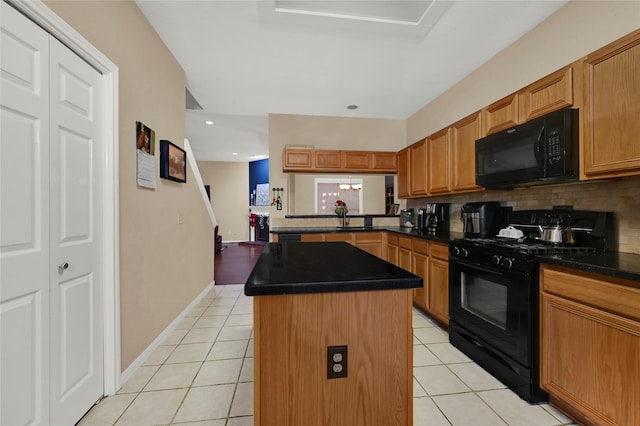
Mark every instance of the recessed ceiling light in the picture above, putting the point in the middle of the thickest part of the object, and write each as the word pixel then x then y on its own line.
pixel 234 153
pixel 352 106
pixel 209 122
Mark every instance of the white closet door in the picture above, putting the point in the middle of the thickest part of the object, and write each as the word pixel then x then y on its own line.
pixel 24 217
pixel 51 342
pixel 76 221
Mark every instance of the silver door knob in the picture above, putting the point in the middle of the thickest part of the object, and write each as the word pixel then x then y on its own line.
pixel 62 267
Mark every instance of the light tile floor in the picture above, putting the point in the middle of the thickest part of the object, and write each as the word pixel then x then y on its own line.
pixel 202 375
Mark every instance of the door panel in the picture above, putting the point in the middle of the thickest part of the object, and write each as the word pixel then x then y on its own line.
pixel 76 292
pixel 24 220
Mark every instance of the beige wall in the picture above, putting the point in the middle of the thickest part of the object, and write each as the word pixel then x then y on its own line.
pixel 163 265
pixel 326 133
pixel 573 32
pixel 229 196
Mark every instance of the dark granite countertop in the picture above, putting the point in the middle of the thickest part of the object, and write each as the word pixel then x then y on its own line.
pixel 444 238
pixel 296 268
pixel 613 264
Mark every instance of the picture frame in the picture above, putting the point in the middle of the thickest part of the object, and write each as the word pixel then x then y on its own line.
pixel 173 162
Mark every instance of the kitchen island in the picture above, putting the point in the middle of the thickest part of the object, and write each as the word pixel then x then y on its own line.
pixel 332 337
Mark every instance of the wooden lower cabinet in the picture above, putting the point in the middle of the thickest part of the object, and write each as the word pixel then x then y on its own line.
pixel 439 282
pixel 392 249
pixel 404 253
pixel 430 262
pixel 292 333
pixel 371 242
pixel 312 238
pixel 590 346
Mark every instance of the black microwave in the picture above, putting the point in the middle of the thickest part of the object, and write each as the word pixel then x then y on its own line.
pixel 543 150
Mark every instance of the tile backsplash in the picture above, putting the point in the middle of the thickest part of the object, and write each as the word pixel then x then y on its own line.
pixel 621 196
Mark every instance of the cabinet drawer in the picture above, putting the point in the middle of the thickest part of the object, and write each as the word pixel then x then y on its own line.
pixel 392 239
pixel 420 246
pixel 612 296
pixel 404 242
pixel 439 251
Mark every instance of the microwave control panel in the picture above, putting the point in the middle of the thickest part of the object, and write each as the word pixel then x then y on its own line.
pixel 554 151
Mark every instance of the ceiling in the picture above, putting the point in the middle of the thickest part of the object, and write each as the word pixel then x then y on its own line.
pixel 244 59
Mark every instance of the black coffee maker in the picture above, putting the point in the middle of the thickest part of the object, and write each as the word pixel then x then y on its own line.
pixel 435 218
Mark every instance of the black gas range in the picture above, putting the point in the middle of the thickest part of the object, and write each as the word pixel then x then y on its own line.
pixel 493 288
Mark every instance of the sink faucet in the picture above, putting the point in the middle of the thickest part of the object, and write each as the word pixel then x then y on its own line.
pixel 344 217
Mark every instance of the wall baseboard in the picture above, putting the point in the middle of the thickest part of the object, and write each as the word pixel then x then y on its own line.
pixel 131 369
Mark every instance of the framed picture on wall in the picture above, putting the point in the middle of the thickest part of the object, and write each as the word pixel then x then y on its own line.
pixel 173 162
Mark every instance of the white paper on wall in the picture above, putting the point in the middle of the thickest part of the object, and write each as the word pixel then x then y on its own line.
pixel 262 194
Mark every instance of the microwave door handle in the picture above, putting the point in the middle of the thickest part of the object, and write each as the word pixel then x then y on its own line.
pixel 536 148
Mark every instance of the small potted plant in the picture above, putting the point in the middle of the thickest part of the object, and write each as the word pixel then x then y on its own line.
pixel 341 208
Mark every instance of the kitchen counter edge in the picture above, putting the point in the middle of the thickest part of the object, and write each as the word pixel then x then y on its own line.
pixel 444 238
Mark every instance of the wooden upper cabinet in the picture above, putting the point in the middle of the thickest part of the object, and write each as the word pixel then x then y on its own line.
pixel 438 161
pixel 356 160
pixel 370 161
pixel 464 134
pixel 297 159
pixel 548 94
pixel 384 161
pixel 404 171
pixel 329 160
pixel 501 114
pixel 336 161
pixel 611 117
pixel 418 176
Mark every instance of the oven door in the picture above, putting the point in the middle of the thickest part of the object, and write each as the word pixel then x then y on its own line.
pixel 494 305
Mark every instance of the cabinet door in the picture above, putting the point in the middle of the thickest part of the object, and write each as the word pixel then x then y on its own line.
pixel 501 114
pixel 611 116
pixel 464 134
pixel 421 269
pixel 548 94
pixel 404 171
pixel 439 289
pixel 404 258
pixel 438 161
pixel 590 361
pixel 356 160
pixel 327 160
pixel 384 162
pixel 418 176
pixel 312 238
pixel 392 254
pixel 297 159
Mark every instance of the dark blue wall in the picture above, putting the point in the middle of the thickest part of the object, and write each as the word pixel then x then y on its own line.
pixel 258 173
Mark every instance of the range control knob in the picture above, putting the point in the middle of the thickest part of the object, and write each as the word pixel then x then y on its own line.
pixel 495 259
pixel 464 252
pixel 456 251
pixel 507 262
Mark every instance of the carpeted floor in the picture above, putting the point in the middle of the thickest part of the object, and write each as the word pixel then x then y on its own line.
pixel 234 263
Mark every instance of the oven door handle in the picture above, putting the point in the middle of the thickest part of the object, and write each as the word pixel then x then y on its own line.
pixel 478 266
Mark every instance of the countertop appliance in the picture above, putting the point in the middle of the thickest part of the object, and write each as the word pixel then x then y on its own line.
pixel 436 218
pixel 407 218
pixel 481 219
pixel 493 292
pixel 543 150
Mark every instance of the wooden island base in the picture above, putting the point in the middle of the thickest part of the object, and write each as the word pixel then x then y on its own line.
pixel 292 333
